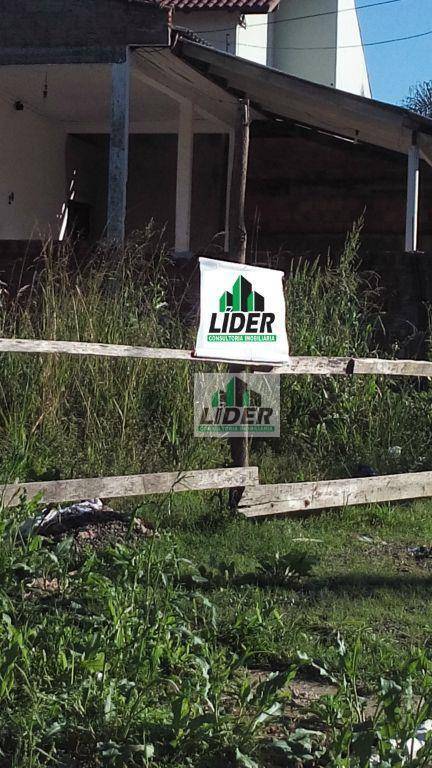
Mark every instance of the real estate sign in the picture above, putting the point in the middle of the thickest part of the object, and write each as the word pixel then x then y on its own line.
pixel 235 405
pixel 242 313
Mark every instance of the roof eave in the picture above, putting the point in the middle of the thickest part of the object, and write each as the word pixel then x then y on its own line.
pixel 349 115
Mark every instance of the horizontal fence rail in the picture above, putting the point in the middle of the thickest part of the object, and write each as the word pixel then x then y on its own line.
pixel 257 500
pixel 289 498
pixel 315 366
pixel 55 491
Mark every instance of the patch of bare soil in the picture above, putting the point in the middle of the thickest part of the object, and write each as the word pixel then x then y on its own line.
pixel 299 709
pixel 407 558
pixel 101 534
pixel 89 523
pixel 299 705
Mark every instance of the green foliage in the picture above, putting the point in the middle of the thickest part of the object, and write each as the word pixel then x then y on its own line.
pixel 141 655
pixel 380 729
pixel 70 416
pixel 117 664
pixel 419 98
pixel 329 425
pixel 118 658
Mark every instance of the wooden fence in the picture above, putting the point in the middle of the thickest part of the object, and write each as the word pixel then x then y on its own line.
pixel 257 500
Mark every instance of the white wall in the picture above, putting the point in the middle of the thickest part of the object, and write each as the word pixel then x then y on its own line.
pixel 32 169
pixel 351 69
pixel 285 42
pixel 219 28
pixel 252 38
pixel 290 40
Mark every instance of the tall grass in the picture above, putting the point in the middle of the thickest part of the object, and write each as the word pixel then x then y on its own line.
pixel 332 424
pixel 64 416
pixel 69 416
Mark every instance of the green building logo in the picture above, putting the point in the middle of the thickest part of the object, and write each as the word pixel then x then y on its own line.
pixel 241 316
pixel 235 408
pixel 242 298
pixel 236 394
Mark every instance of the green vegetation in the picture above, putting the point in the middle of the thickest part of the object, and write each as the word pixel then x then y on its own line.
pixel 72 416
pixel 185 650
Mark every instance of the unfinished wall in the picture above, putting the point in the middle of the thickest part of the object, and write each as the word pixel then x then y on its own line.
pixel 306 190
pixel 152 185
pixel 151 182
pixel 87 178
pixel 32 178
pixel 219 28
pixel 97 25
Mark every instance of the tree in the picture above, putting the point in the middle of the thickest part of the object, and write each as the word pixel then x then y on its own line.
pixel 419 98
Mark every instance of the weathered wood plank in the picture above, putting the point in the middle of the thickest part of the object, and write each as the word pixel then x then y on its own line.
pixel 40 346
pixel 393 367
pixel 130 485
pixel 315 366
pixel 333 366
pixel 288 498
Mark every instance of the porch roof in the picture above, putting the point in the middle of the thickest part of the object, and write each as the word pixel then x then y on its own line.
pixel 277 94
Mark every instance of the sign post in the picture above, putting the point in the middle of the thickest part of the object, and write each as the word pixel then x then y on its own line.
pixel 242 317
pixel 237 238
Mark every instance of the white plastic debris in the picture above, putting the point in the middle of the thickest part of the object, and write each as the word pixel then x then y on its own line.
pixel 395 451
pixel 414 745
pixel 82 520
pixel 51 520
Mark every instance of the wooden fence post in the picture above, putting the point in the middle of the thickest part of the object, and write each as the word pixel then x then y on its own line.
pixel 237 240
pixel 237 236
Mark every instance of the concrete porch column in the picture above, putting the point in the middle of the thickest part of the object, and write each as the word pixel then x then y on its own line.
pixel 184 179
pixel 413 177
pixel 118 151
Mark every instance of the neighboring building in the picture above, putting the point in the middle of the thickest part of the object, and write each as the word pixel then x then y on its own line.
pixel 319 47
pixel 110 118
pixel 318 40
pixel 226 24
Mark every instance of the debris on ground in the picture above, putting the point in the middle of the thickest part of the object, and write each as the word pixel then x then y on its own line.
pixel 395 451
pixel 364 470
pixel 422 735
pixel 412 746
pixel 87 521
pixel 366 539
pixel 421 552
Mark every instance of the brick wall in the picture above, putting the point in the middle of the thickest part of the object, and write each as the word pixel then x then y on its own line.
pixel 305 192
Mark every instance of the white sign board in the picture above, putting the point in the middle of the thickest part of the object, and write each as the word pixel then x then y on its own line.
pixel 242 314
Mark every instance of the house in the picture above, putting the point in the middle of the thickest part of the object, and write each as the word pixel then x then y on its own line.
pixel 111 117
pixel 317 40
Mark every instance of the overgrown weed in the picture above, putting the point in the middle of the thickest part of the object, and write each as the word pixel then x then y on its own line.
pixel 66 416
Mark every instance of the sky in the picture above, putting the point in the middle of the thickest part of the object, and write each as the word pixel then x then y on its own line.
pixel 393 68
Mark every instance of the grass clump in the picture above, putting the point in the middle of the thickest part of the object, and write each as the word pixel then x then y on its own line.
pixel 65 416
